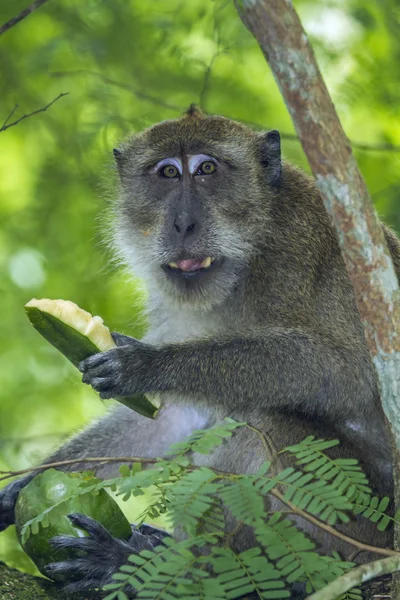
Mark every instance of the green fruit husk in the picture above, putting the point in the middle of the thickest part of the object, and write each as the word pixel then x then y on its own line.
pixel 51 487
pixel 76 347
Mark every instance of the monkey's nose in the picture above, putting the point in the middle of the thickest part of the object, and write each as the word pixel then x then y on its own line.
pixel 184 226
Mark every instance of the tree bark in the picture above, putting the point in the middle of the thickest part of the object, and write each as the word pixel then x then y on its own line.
pixel 283 41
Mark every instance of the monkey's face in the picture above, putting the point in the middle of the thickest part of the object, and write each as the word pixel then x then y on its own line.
pixel 192 207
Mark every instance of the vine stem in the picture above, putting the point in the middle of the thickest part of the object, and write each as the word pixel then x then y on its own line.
pixel 7 125
pixel 222 474
pixel 338 534
pixel 22 15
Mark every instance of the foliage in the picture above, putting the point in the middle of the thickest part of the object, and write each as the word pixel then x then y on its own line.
pixel 206 562
pixel 56 175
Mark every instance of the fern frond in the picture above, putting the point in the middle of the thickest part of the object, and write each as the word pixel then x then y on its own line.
pixel 213 520
pixel 317 498
pixel 373 509
pixel 287 545
pixel 134 484
pixel 191 497
pixel 354 594
pixel 295 556
pixel 159 573
pixel 243 499
pixel 201 588
pixel 158 506
pixel 334 568
pixel 204 441
pixel 246 573
pixel 344 474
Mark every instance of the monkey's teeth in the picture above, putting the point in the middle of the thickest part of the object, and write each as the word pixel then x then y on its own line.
pixel 206 262
pixel 173 265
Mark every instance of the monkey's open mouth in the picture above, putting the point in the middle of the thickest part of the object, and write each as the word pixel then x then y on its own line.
pixel 191 265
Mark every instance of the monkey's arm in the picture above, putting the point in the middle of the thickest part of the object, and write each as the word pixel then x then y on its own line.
pixel 8 498
pixel 285 369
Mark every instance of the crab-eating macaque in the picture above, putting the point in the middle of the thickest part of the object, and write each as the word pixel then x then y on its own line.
pixel 251 316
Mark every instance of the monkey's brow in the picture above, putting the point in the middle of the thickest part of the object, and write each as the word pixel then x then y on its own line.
pixel 220 156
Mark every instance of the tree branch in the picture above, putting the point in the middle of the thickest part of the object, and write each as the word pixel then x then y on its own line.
pixel 357 576
pixel 77 461
pixel 281 37
pixel 22 15
pixel 283 41
pixel 361 547
pixel 124 86
pixel 7 125
pixel 220 474
pixel 379 147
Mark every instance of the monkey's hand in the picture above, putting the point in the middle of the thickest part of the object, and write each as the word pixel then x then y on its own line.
pixel 8 498
pixel 122 371
pixel 100 554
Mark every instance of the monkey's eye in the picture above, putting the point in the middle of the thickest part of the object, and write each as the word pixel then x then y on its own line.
pixel 206 168
pixel 169 171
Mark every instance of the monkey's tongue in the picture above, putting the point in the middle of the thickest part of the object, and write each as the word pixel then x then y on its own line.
pixel 190 264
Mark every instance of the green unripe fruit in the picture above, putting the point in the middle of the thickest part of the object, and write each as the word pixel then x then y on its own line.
pixel 55 487
pixel 78 335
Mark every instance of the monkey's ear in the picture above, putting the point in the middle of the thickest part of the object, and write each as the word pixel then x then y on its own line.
pixel 271 156
pixel 118 156
pixel 119 159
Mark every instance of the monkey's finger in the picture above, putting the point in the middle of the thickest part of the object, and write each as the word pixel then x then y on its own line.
pixel 103 370
pixel 85 585
pixel 106 395
pixel 67 569
pixel 123 340
pixel 101 384
pixel 94 361
pixel 87 544
pixel 94 528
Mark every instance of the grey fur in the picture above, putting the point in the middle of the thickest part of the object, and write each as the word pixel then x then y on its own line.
pixel 270 335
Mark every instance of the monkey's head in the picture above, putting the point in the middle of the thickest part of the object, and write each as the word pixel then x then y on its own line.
pixel 194 203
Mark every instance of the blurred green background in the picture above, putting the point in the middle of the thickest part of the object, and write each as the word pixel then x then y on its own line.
pixel 127 64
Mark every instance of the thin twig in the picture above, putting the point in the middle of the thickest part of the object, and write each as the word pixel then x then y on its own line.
pixel 384 147
pixel 360 545
pixel 269 446
pixel 206 80
pixel 292 137
pixel 232 533
pixel 74 461
pixel 223 474
pixel 25 116
pixel 121 85
pixel 22 15
pixel 9 116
